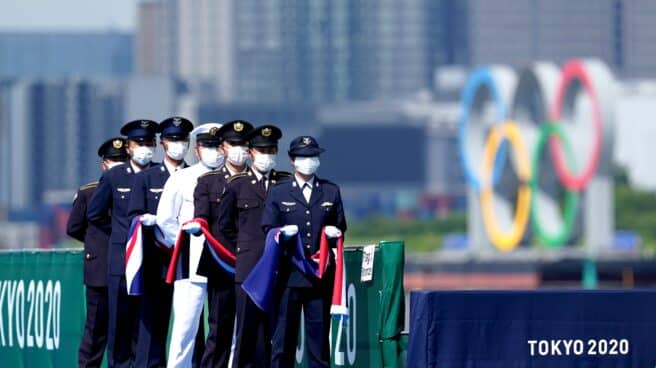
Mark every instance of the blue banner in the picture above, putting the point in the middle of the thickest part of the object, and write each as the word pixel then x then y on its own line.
pixel 537 329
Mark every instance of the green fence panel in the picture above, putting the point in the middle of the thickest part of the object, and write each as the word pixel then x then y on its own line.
pixel 41 308
pixel 392 304
pixel 373 306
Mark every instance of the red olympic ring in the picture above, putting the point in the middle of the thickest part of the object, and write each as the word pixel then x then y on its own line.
pixel 574 70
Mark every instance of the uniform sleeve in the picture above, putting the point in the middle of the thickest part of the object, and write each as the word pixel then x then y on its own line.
pixel 76 227
pixel 101 202
pixel 271 216
pixel 340 223
pixel 168 209
pixel 202 199
pixel 228 218
pixel 137 204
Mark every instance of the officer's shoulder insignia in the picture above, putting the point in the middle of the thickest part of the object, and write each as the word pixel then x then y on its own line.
pixel 236 176
pixel 210 173
pixel 279 175
pixel 91 185
pixel 323 182
pixel 326 204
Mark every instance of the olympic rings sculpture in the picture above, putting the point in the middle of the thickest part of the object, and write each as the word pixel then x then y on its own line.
pixel 558 90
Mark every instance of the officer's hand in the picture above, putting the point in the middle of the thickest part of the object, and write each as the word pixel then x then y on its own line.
pixel 148 220
pixel 289 230
pixel 192 228
pixel 332 231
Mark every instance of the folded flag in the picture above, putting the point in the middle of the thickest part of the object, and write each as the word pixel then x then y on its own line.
pixel 223 256
pixel 338 307
pixel 260 282
pixel 134 254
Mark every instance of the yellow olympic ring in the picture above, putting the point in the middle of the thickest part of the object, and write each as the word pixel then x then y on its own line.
pixel 506 240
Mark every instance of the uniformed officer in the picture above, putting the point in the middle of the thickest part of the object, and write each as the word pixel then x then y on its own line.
pixel 155 312
pixel 240 223
pixel 220 285
pixel 175 208
pixel 95 238
pixel 306 204
pixel 113 194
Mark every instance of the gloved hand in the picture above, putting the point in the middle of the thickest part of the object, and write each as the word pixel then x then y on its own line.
pixel 148 220
pixel 332 231
pixel 289 230
pixel 192 228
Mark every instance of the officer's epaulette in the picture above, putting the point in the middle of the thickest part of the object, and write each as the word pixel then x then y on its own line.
pixel 236 176
pixel 91 185
pixel 213 172
pixel 279 175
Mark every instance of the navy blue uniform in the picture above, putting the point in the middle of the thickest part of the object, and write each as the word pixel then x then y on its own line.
pixel 157 295
pixel 220 285
pixel 286 205
pixel 113 195
pixel 241 209
pixel 95 238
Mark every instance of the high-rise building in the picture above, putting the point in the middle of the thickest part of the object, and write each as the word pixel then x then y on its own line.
pixel 637 37
pixel 187 40
pixel 148 52
pixel 554 30
pixel 389 48
pixel 51 130
pixel 273 51
pixel 65 54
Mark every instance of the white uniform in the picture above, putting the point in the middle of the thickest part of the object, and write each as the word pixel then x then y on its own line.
pixel 176 206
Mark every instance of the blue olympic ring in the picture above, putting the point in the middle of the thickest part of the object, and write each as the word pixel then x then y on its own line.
pixel 482 77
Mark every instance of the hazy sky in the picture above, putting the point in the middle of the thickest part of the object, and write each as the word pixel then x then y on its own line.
pixel 67 14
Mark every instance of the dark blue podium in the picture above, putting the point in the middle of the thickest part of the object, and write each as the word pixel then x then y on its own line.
pixel 536 329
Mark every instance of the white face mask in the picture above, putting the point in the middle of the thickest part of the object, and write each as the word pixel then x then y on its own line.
pixel 237 155
pixel 211 157
pixel 177 150
pixel 307 165
pixel 264 162
pixel 143 155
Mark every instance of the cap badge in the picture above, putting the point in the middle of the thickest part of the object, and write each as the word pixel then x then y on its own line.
pixel 238 126
pixel 307 141
pixel 177 121
pixel 266 132
pixel 213 131
pixel 145 124
pixel 117 143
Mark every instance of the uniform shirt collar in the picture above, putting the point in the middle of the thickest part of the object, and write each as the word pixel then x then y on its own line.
pixel 171 169
pixel 302 182
pixel 259 175
pixel 235 172
pixel 135 168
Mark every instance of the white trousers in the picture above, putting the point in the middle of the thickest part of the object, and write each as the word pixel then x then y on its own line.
pixel 188 301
